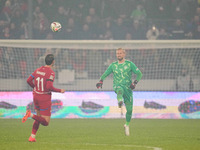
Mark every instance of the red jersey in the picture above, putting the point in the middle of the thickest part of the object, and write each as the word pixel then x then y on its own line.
pixel 43 80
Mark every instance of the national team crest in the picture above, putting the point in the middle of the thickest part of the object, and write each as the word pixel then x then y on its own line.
pixel 125 67
pixel 51 77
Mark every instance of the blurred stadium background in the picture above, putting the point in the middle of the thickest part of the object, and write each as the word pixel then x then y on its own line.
pixel 160 36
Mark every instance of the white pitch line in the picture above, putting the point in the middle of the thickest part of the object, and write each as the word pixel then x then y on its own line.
pixel 119 145
pixel 142 146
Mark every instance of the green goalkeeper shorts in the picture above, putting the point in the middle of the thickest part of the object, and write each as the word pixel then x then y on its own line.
pixel 127 93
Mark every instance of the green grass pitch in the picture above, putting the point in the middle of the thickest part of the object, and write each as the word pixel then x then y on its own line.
pixel 102 134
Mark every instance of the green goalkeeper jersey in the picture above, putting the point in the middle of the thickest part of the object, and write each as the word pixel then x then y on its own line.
pixel 122 73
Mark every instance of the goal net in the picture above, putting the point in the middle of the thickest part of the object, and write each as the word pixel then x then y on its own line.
pixel 166 65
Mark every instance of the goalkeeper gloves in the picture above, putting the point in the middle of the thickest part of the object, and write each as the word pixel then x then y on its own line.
pixel 99 84
pixel 133 85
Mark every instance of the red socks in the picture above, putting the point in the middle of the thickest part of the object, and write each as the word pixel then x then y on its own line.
pixel 36 125
pixel 40 120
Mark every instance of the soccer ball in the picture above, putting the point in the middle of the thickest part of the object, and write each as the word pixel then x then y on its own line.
pixel 56 26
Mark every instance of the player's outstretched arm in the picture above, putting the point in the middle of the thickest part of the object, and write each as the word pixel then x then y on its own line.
pixel 104 75
pixel 50 87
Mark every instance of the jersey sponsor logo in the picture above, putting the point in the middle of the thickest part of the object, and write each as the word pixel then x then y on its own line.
pixel 41 73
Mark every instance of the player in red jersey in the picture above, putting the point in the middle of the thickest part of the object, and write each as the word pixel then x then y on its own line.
pixel 42 86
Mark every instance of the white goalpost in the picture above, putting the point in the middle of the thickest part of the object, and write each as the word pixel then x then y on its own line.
pixel 167 65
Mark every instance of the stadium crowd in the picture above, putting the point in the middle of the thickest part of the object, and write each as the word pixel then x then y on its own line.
pixel 105 19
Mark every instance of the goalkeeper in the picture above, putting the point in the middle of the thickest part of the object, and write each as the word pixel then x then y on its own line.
pixel 122 83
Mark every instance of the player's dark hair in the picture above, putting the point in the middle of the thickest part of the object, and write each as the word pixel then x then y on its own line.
pixel 49 59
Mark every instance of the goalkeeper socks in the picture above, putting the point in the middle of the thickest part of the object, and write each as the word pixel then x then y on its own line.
pixel 128 117
pixel 40 120
pixel 36 125
pixel 129 109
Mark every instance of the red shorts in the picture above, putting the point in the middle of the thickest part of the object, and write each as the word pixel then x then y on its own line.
pixel 42 102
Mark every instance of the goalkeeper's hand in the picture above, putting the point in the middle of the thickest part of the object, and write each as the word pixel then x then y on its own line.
pixel 133 85
pixel 99 84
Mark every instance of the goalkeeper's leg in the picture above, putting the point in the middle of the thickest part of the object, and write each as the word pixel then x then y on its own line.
pixel 129 110
pixel 120 93
pixel 128 100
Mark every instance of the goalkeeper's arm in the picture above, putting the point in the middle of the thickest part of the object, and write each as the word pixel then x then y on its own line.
pixel 138 78
pixel 105 74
